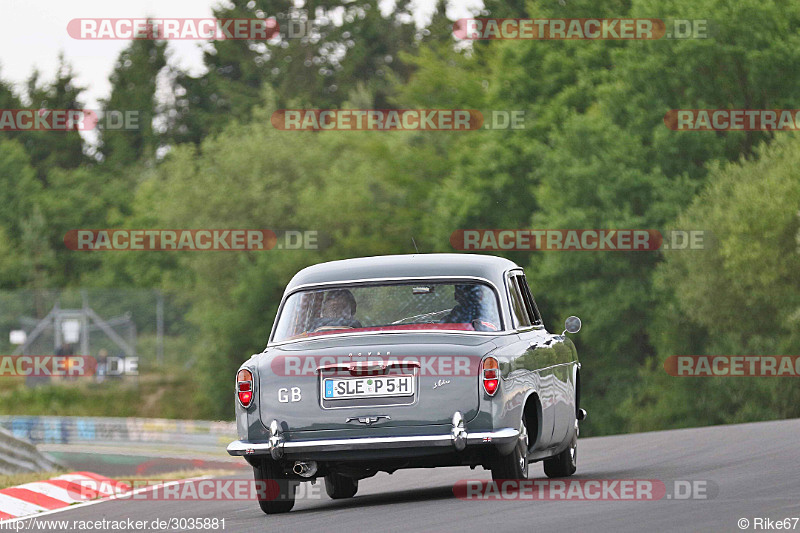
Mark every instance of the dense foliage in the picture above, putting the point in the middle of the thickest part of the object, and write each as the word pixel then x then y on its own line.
pixel 594 153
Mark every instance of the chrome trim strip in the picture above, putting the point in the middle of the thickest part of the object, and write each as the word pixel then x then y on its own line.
pixel 501 436
pixel 515 326
pixel 367 443
pixel 374 281
pixel 459 432
pixel 275 439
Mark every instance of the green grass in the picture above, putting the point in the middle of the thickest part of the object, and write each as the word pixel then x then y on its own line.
pixel 26 477
pixel 179 474
pixel 164 395
pixel 29 477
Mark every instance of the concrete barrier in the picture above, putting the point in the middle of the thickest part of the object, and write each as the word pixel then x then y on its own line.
pixel 199 435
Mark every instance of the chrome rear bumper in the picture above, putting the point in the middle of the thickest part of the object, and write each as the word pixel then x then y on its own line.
pixel 458 439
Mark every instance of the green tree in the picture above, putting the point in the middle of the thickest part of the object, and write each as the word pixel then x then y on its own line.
pixel 739 296
pixel 133 89
pixel 8 100
pixel 18 186
pixel 595 152
pixel 362 192
pixel 54 149
pixel 351 46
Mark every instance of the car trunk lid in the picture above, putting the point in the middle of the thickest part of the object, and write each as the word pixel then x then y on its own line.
pixel 353 381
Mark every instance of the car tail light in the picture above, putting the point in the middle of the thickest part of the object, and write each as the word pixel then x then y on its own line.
pixel 244 387
pixel 491 375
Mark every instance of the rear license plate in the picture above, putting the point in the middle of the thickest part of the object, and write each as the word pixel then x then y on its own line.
pixel 367 387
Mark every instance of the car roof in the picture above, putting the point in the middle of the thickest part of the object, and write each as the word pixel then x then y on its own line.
pixel 403 266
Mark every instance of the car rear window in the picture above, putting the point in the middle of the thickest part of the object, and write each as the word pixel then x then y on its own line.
pixel 466 306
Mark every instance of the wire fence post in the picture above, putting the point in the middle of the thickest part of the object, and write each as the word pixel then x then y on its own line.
pixel 159 327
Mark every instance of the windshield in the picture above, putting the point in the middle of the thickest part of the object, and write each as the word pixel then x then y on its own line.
pixel 467 306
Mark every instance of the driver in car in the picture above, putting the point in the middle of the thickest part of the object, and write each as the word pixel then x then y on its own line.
pixel 338 310
pixel 471 308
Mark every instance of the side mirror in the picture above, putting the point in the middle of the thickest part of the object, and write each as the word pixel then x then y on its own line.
pixel 572 325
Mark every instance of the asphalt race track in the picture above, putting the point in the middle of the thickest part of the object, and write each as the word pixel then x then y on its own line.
pixel 751 470
pixel 119 465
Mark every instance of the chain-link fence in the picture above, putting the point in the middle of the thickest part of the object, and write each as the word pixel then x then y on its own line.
pixel 145 326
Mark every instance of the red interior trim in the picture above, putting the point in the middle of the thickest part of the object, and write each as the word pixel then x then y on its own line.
pixel 465 326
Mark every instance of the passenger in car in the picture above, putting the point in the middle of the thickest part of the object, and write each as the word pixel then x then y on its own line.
pixel 470 308
pixel 338 310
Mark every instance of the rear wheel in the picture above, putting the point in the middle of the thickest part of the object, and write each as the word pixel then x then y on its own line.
pixel 277 493
pixel 514 465
pixel 565 463
pixel 338 486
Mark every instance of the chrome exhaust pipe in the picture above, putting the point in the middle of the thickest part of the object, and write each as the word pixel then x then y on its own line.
pixel 305 468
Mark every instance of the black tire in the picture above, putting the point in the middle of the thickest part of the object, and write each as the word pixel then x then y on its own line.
pixel 339 487
pixel 279 492
pixel 565 463
pixel 514 465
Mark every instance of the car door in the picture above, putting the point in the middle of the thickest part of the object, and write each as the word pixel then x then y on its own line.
pixel 556 356
pixel 534 356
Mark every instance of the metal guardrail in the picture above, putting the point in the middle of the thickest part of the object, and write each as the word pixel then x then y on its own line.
pixel 123 432
pixel 18 455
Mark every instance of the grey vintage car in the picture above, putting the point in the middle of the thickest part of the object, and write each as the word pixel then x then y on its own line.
pixel 408 361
